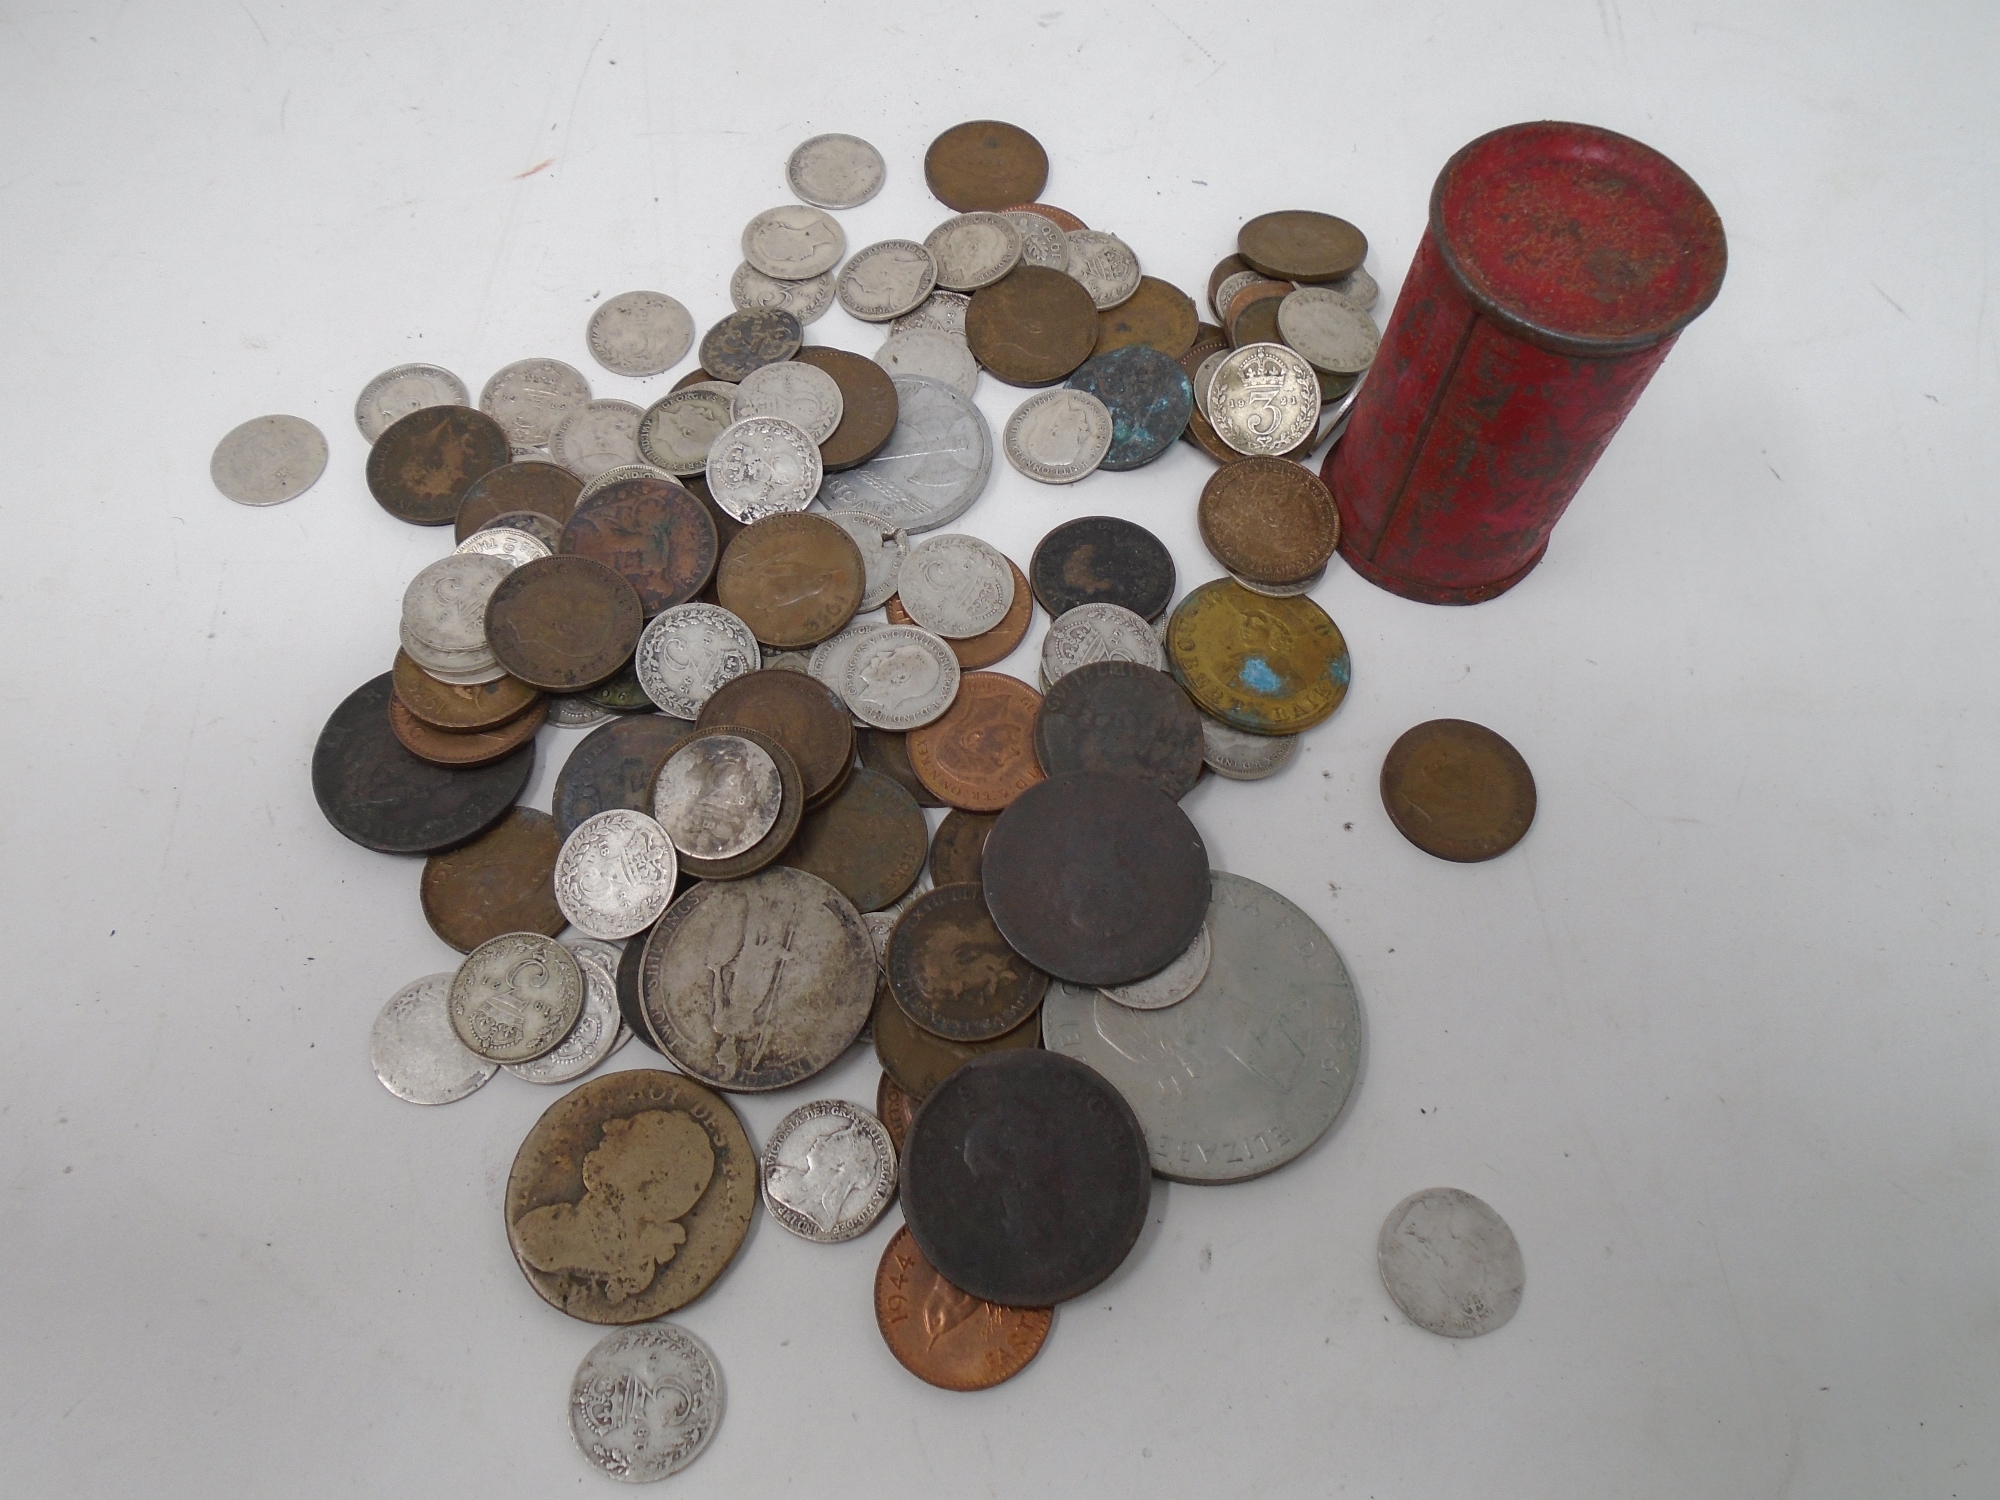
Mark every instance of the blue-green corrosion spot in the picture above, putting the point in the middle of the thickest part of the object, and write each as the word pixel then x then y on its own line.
pixel 1341 671
pixel 1256 675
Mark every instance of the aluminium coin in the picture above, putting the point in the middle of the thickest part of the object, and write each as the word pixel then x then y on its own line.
pixel 1042 241
pixel 615 874
pixel 1158 315
pixel 883 547
pixel 613 766
pixel 956 586
pixel 835 171
pixel 504 542
pixel 888 279
pixel 829 1169
pixel 1102 560
pixel 1269 666
pixel 1450 1263
pixel 593 1038
pixel 1334 335
pixel 1458 790
pixel 1118 716
pixel 423 463
pixel 1244 757
pixel 793 579
pixel 802 394
pixel 925 351
pixel 944 311
pixel 1033 327
pixel 640 333
pixel 763 466
pixel 745 340
pixel 791 243
pixel 1149 397
pixel 397 392
pixel 797 711
pixel 954 974
pixel 545 489
pixel 689 651
pixel 1058 437
pixel 1268 520
pixel 500 882
pixel 268 460
pixel 1096 633
pixel 645 1402
pixel 415 1052
pixel 980 754
pixel 919 1061
pixel 652 533
pixel 750 290
pixel 867 841
pixel 1104 264
pixel 530 398
pixel 1264 399
pixel 938 458
pixel 678 430
pixel 597 437
pixel 973 250
pixel 1172 984
pixel 943 1335
pixel 563 623
pixel 901 677
pixel 717 795
pixel 1300 244
pixel 985 165
pixel 516 996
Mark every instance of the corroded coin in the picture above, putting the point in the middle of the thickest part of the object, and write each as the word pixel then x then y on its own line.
pixel 793 579
pixel 1299 244
pixel 476 747
pixel 500 882
pixel 883 546
pixel 1458 790
pixel 1149 397
pixel 639 333
pixel 835 171
pixel 645 1402
pixel 396 393
pixel 689 651
pixel 985 164
pixel 868 406
pixel 1244 757
pixel 423 463
pixel 1158 315
pixel 615 765
pixel 652 533
pixel 1335 336
pixel 717 795
pixel 1104 264
pixel 829 1170
pixel 1172 984
pixel 268 460
pixel 946 1336
pixel 893 1106
pixel 1098 632
pixel 763 466
pixel 547 489
pixel 980 754
pixel 1033 327
pixel 418 1056
pixel 900 678
pixel 592 1039
pixel 1042 241
pixel 926 351
pixel 791 242
pixel 530 398
pixel 515 997
pixel 1269 666
pixel 563 623
pixel 1118 716
pixel 678 430
pixel 621 692
pixel 803 394
pixel 1268 520
pixel 867 842
pixel 459 710
pixel 956 586
pixel 919 1061
pixel 1102 560
pixel 944 311
pixel 791 808
pixel 957 846
pixel 886 280
pixel 1451 1263
pixel 1264 399
pixel 750 290
pixel 954 974
pixel 1058 437
pixel 615 874
pixel 744 340
pixel 799 713
pixel 973 250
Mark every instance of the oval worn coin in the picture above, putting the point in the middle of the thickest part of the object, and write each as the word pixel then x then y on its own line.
pixel 615 765
pixel 597 437
pixel 1119 716
pixel 1149 397
pixel 1268 666
pixel 901 677
pixel 957 846
pixel 1334 335
pixel 802 394
pixel 973 250
pixel 423 463
pixel 1095 633
pixel 689 651
pixel 829 1170
pixel 797 711
pixel 546 489
pixel 640 333
pixel 980 754
pixel 835 171
pixel 397 392
pixel 925 351
pixel 459 709
pixel 1264 399
pixel 887 279
pixel 883 547
pixel 1172 984
pixel 268 460
pixel 1102 560
pixel 956 586
pixel 1159 315
pixel 717 795
pixel 944 311
pixel 793 579
pixel 944 1335
pixel 1104 264
pixel 1058 437
pixel 763 466
pixel 415 1052
pixel 1268 520
pixel 645 1402
pixel 504 542
pixel 615 874
pixel 653 534
pixel 503 881
pixel 530 398
pixel 919 1060
pixel 1458 790
pixel 1042 241
pixel 678 430
pixel 954 974
pixel 1033 327
pixel 867 842
pixel 790 243
pixel 985 165
pixel 1450 1263
pixel 591 1040
pixel 745 340
pixel 1244 757
pixel 515 997
pixel 934 465
pixel 750 290
pixel 1300 244
pixel 563 623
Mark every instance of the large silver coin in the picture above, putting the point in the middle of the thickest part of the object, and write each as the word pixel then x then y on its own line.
pixel 615 874
pixel 973 250
pixel 926 351
pixel 645 1402
pixel 900 677
pixel 504 542
pixel 763 466
pixel 1249 1070
pixel 640 333
pixel 1451 1263
pixel 593 1038
pixel 394 394
pixel 1329 330
pixel 689 651
pixel 944 311
pixel 678 430
pixel 1231 752
pixel 515 997
pixel 752 291
pixel 883 546
pixel 1104 264
pixel 1099 632
pixel 1042 241
pixel 268 460
pixel 956 586
pixel 530 398
pixel 416 1054
pixel 835 171
pixel 1058 436
pixel 596 438
pixel 802 394
pixel 445 605
pixel 939 456
pixel 886 280
pixel 1172 984
pixel 1263 400
pixel 758 983
pixel 717 795
pixel 793 242
pixel 829 1170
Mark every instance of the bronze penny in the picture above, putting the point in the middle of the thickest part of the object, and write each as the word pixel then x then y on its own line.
pixel 997 644
pixel 630 1011
pixel 952 972
pixel 630 1196
pixel 1260 664
pixel 1200 433
pixel 919 1061
pixel 1204 436
pixel 563 623
pixel 887 751
pixel 1121 716
pixel 797 711
pixel 1032 327
pixel 1062 218
pixel 746 341
pixel 621 692
pixel 1255 321
pixel 652 533
pixel 895 1109
pixel 546 489
pixel 726 525
pixel 946 1336
pixel 1458 790
pixel 696 376
pixel 1211 333
pixel 1159 315
pixel 459 710
pixel 544 530
pixel 477 747
pixel 1102 560
pixel 980 755
pixel 1299 244
pixel 846 774
pixel 615 765
pixel 1256 291
pixel 867 412
pixel 423 462
pixel 957 844
pixel 503 881
pixel 867 842
pixel 791 808
pixel 985 164
pixel 794 579
pixel 1268 520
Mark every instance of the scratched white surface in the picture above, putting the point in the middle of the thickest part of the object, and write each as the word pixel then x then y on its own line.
pixel 1718 1039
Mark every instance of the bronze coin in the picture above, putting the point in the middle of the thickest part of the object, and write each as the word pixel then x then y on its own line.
pixel 652 533
pixel 980 755
pixel 537 525
pixel 954 974
pixel 984 165
pixel 791 808
pixel 1204 436
pixel 621 692
pixel 794 579
pixel 846 774
pixel 546 489
pixel 1062 218
pixel 1102 560
pixel 746 341
pixel 613 766
pixel 459 710
pixel 1032 327
pixel 1256 291
pixel 1458 790
pixel 1121 716
pixel 477 747
pixel 1268 520
pixel 867 411
pixel 867 842
pixel 1228 266
pixel 895 1109
pixel 997 644
pixel 503 881
pixel 1159 315
pixel 630 1196
pixel 1260 664
pixel 696 376
pixel 1211 333
pixel 563 623
pixel 1254 320
pixel 1299 244
pixel 423 462
pixel 629 1009
pixel 919 1061
pixel 887 751
pixel 957 844
pixel 797 711
pixel 946 1336
pixel 726 525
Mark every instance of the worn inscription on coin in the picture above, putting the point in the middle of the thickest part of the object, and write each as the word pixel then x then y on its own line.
pixel 886 280
pixel 530 398
pixel 1104 264
pixel 801 394
pixel 1451 1263
pixel 597 437
pixel 717 795
pixel 645 1402
pixel 973 250
pixel 640 333
pixel 956 586
pixel 900 677
pixel 944 311
pixel 926 351
pixel 615 874
pixel 689 651
pixel 593 1038
pixel 763 466
pixel 515 997
pixel 268 460
pixel 752 291
pixel 678 430
pixel 396 393
pixel 835 171
pixel 792 242
pixel 416 1054
pixel 1098 632
pixel 829 1171
pixel 1059 436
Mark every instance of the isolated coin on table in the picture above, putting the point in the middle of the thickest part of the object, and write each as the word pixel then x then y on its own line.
pixel 901 677
pixel 423 463
pixel 1241 756
pixel 1458 790
pixel 1104 264
pixel 397 392
pixel 1331 332
pixel 1264 399
pixel 1098 632
pixel 956 586
pixel 415 1052
pixel 1299 244
pixel 508 488
pixel 1033 327
pixel 763 466
pixel 645 1402
pixel 885 280
pixel 944 1335
pixel 1450 1263
pixel 615 874
pixel 530 398
pixel 504 542
pixel 883 546
pixel 717 795
pixel 268 460
pixel 640 333
pixel 980 753
pixel 678 430
pixel 500 882
pixel 801 394
pixel 829 1169
pixel 1042 239
pixel 925 351
pixel 835 171
pixel 651 532
pixel 515 997
pixel 744 340
pixel 689 651
pixel 1172 984
pixel 593 1037
pixel 1148 395
pixel 596 437
pixel 1058 437
pixel 937 460
pixel 985 165
pixel 792 242
pixel 1120 716
pixel 1269 666
pixel 973 250
pixel 563 623
pixel 944 311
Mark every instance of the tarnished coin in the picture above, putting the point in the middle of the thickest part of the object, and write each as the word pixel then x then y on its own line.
pixel 1119 716
pixel 268 460
pixel 717 795
pixel 563 623
pixel 829 1170
pixel 919 1061
pixel 798 712
pixel 790 243
pixel 887 279
pixel 985 165
pixel 793 579
pixel 1104 264
pixel 615 874
pixel 459 710
pixel 688 652
pixel 415 1052
pixel 622 692
pixel 1058 437
pixel 1458 790
pixel 745 340
pixel 515 997
pixel 1329 330
pixel 1264 399
pixel 980 754
pixel 1159 315
pixel 1268 520
pixel 828 663
pixel 1032 328
pixel 504 542
pixel 1244 757
pixel 1062 218
pixel 476 748
pixel 1300 244
pixel 591 1040
pixel 615 766
pixel 653 534
pixel 640 333
pixel 867 406
pixel 628 1198
pixel 1102 560
pixel 1097 633
pixel 530 398
pixel 883 547
pixel 678 430
pixel 835 171
pixel 934 465
pixel 791 808
pixel 900 678
pixel 397 392
pixel 944 311
pixel 1204 377
pixel 925 351
pixel 1269 666
pixel 867 842
pixel 596 437
pixel 1172 984
pixel 574 711
pixel 444 607
pixel 946 1336
pixel 1042 241
pixel 1149 397
pixel 1224 292
pixel 802 394
pixel 954 974
pixel 893 1106
pixel 973 250
pixel 956 586
pixel 1357 287
pixel 423 463
pixel 763 466
pixel 957 846
pixel 645 1402
pixel 887 752
pixel 1450 1263
pixel 546 489
pixel 500 882
pixel 752 291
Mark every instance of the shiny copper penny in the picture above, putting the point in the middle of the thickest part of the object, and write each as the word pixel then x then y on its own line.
pixel 919 1061
pixel 615 765
pixel 985 164
pixel 1268 520
pixel 1121 716
pixel 868 407
pixel 459 710
pixel 997 644
pixel 888 752
pixel 503 881
pixel 791 808
pixel 1062 218
pixel 1299 244
pixel 563 623
pixel 867 842
pixel 980 755
pixel 1159 315
pixel 945 1336
pixel 547 489
pixel 476 747
pixel 423 462
pixel 746 341
pixel 652 533
pixel 799 713
pixel 794 579
pixel 1032 327
pixel 957 844
pixel 895 1109
pixel 954 974
pixel 1458 790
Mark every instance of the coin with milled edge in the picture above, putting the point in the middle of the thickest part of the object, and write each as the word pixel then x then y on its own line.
pixel 1450 1263
pixel 743 341
pixel 597 437
pixel 1458 790
pixel 717 795
pixel 515 997
pixel 652 533
pixel 1032 328
pixel 530 398
pixel 1042 241
pixel 943 1335
pixel 396 393
pixel 956 586
pixel 835 171
pixel 790 243
pixel 1268 520
pixel 944 311
pixel 1329 330
pixel 546 489
pixel 829 1170
pixel 593 1038
pixel 1102 560
pixel 901 677
pixel 645 1402
pixel 887 279
pixel 1264 399
pixel 678 430
pixel 268 460
pixel 1171 985
pixel 1058 437
pixel 985 165
pixel 689 651
pixel 615 766
pixel 1120 716
pixel 752 291
pixel 563 623
pixel 973 250
pixel 415 1052
pixel 1244 757
pixel 500 882
pixel 1149 397
pixel 504 542
pixel 1095 633
pixel 1299 244
pixel 937 460
pixel 1269 666
pixel 615 874
pixel 640 333
pixel 867 842
pixel 763 466
pixel 797 711
pixel 883 548
pixel 925 351
pixel 423 463
pixel 801 394
pixel 954 974
pixel 1158 315
pixel 1104 264
pixel 980 754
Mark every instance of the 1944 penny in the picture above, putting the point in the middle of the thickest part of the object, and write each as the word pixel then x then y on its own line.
pixel 946 1336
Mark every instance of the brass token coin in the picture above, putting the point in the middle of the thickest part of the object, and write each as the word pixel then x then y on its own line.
pixel 1298 244
pixel 1265 665
pixel 547 489
pixel 476 747
pixel 563 623
pixel 1062 218
pixel 985 164
pixel 867 842
pixel 630 1196
pixel 888 752
pixel 799 713
pixel 980 755
pixel 1102 560
pixel 459 710
pixel 1458 790
pixel 503 881
pixel 919 1061
pixel 1032 327
pixel 422 463
pixel 652 533
pixel 1159 315
pixel 946 1336
pixel 895 1109
pixel 953 974
pixel 1121 716
pixel 957 844
pixel 997 644
pixel 1268 520
pixel 867 412
pixel 615 765
pixel 746 341
pixel 1228 266
pixel 791 808
pixel 794 579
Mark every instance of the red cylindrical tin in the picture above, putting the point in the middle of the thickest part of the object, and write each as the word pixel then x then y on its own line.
pixel 1560 264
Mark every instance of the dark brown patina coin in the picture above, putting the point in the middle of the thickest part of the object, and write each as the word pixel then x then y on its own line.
pixel 503 881
pixel 630 1011
pixel 799 713
pixel 867 842
pixel 1102 560
pixel 1121 716
pixel 546 489
pixel 1097 877
pixel 976 651
pixel 985 165
pixel 980 754
pixel 615 765
pixel 422 463
pixel 1032 327
pixel 652 533
pixel 445 705
pixel 895 1109
pixel 1159 315
pixel 1026 1178
pixel 794 579
pixel 476 747
pixel 621 692
pixel 1149 397
pixel 1299 244
pixel 868 407
pixel 1268 520
pixel 954 974
pixel 1062 218
pixel 1249 292
pixel 1204 436
pixel 1458 790
pixel 791 809
pixel 563 623
pixel 378 794
pixel 746 341
pixel 956 846
pixel 1228 266
pixel 919 1061
pixel 696 376
pixel 1255 321
pixel 888 752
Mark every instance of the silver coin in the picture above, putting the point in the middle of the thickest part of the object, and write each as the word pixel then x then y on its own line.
pixel 504 542
pixel 1450 1263
pixel 944 311
pixel 416 1054
pixel 640 333
pixel 615 874
pixel 645 1402
pixel 804 395
pixel 883 546
pixel 793 242
pixel 618 475
pixel 1331 332
pixel 1042 241
pixel 763 466
pixel 717 795
pixel 268 460
pixel 787 661
pixel 1283 590
pixel 1204 373
pixel 886 280
pixel 593 1038
pixel 460 669
pixel 956 586
pixel 530 398
pixel 394 394
pixel 973 250
pixel 939 456
pixel 606 956
pixel 835 171
pixel 1231 752
pixel 1229 286
pixel 724 388
pixel 689 651
pixel 927 351
pixel 677 431
pixel 1358 287
pixel 515 997
pixel 445 605
pixel 829 1170
pixel 544 529
pixel 1248 1071
pixel 1263 399
pixel 1099 632
pixel 597 437
pixel 828 663
pixel 858 490
pixel 1058 436
pixel 574 711
pixel 901 677
pixel 752 291
pixel 1104 264
pixel 879 924
pixel 1172 984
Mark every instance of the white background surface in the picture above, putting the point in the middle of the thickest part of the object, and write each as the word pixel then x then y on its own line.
pixel 1717 1038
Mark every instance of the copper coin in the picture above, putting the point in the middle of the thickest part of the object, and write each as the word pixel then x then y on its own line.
pixel 997 644
pixel 746 341
pixel 797 711
pixel 919 1061
pixel 1121 716
pixel 537 525
pixel 1102 560
pixel 1062 218
pixel 791 808
pixel 1261 664
pixel 895 1109
pixel 1299 244
pixel 621 692
pixel 726 526
pixel 652 533
pixel 563 623
pixel 980 755
pixel 1032 327
pixel 613 766
pixel 696 376
pixel 1204 436
pixel 630 1011
pixel 943 1335
pixel 1255 291
pixel 1211 333
pixel 503 881
pixel 846 775
pixel 985 164
pixel 547 489
pixel 476 747
pixel 1458 790
pixel 1228 266
pixel 867 842
pixel 888 752
pixel 868 407
pixel 423 462
pixel 794 579
pixel 1254 320
pixel 954 974
pixel 460 710
pixel 1159 315
pixel 957 845
pixel 1268 520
